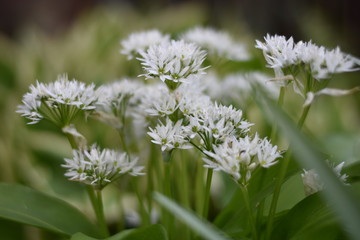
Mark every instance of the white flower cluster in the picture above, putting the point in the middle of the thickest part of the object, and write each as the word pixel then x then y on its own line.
pixel 58 101
pixel 99 167
pixel 186 116
pixel 237 87
pixel 312 182
pixel 281 53
pixel 217 42
pixel 176 61
pixel 117 100
pixel 240 156
pixel 140 41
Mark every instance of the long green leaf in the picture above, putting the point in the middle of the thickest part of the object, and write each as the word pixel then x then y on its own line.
pixel 203 228
pixel 311 218
pixel 340 199
pixel 28 206
pixel 153 232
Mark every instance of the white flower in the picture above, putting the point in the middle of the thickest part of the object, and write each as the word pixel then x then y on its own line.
pixel 99 167
pixel 116 101
pixel 216 42
pixel 176 61
pixel 140 41
pixel 237 87
pixel 240 157
pixel 267 154
pixel 312 182
pixel 278 51
pixel 169 136
pixel 59 101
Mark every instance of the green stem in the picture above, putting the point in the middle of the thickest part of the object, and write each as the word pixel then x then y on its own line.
pixel 169 220
pixel 123 141
pixel 101 216
pixel 97 204
pixel 282 174
pixel 145 219
pixel 199 188
pixel 246 198
pixel 279 103
pixel 207 193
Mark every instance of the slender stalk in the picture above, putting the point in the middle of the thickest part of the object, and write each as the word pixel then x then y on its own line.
pixel 199 188
pixel 101 215
pixel 279 103
pixel 97 204
pixel 207 193
pixel 168 218
pixel 283 169
pixel 245 195
pixel 145 219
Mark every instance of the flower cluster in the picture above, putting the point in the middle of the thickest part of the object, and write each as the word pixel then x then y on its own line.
pixel 173 62
pixel 140 41
pixel 312 182
pixel 99 167
pixel 116 101
pixel 240 156
pixel 237 87
pixel 217 42
pixel 281 53
pixel 59 101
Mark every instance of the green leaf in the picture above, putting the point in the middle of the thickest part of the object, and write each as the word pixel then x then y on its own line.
pixel 204 229
pixel 345 205
pixel 81 236
pixel 153 232
pixel 311 218
pixel 233 217
pixel 28 206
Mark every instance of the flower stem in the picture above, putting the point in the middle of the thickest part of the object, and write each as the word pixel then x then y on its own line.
pixel 283 169
pixel 245 195
pixel 97 204
pixel 280 102
pixel 207 193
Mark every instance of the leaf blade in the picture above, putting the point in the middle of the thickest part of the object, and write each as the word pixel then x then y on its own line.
pixel 28 206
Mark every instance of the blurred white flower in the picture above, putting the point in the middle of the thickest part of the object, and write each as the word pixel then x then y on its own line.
pixel 216 42
pixel 237 87
pixel 116 101
pixel 99 167
pixel 176 62
pixel 312 182
pixel 140 41
pixel 59 101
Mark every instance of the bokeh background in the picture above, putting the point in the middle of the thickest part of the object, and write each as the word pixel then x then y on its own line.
pixel 40 39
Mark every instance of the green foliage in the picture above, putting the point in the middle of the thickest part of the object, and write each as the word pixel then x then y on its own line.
pixel 28 206
pixel 199 226
pixel 153 232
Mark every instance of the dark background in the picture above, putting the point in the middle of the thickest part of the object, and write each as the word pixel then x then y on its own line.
pixel 284 17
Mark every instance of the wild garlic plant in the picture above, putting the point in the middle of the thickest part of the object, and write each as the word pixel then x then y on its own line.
pixel 184 107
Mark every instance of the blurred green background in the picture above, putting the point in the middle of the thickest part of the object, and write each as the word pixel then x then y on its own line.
pixel 40 39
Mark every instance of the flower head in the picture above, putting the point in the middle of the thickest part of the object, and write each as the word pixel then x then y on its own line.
pixel 140 41
pixel 175 62
pixel 59 101
pixel 169 136
pixel 216 42
pixel 240 156
pixel 312 182
pixel 99 167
